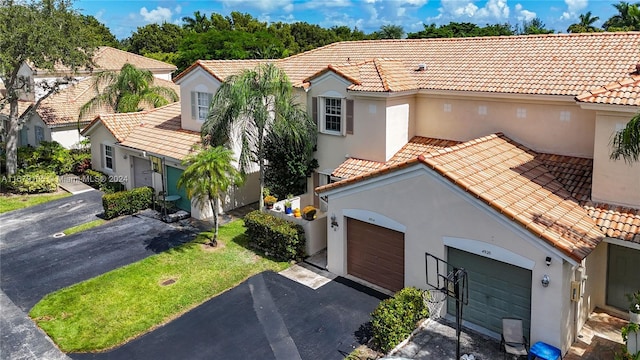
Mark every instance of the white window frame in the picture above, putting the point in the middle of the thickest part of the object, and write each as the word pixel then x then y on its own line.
pixel 322 115
pixel 111 157
pixel 201 104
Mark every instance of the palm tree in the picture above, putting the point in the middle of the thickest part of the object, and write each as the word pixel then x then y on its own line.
pixel 585 24
pixel 626 19
pixel 209 173
pixel 250 105
pixel 198 23
pixel 626 142
pixel 126 90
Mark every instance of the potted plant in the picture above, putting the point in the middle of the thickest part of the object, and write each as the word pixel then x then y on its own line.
pixel 309 213
pixel 287 207
pixel 631 336
pixel 634 307
pixel 269 200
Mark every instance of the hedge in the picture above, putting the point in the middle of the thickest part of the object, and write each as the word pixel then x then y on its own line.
pixel 395 318
pixel 277 237
pixel 126 202
pixel 31 182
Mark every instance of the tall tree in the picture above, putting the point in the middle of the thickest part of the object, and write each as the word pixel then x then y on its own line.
pixel 154 38
pixel 209 174
pixel 198 23
pixel 248 106
pixel 534 26
pixel 389 32
pixel 585 24
pixel 99 32
pixel 126 91
pixel 627 18
pixel 626 142
pixel 44 34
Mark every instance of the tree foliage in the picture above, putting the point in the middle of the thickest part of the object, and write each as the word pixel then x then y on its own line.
pixel 389 32
pixel 100 34
pixel 626 142
pixel 250 105
pixel 127 90
pixel 209 174
pixel 44 33
pixel 585 24
pixel 154 38
pixel 455 29
pixel 627 18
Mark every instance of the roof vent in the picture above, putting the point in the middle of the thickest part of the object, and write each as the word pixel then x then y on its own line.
pixel 421 67
pixel 638 68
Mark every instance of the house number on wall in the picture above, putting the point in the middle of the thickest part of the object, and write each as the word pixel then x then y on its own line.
pixel 372 219
pixel 486 252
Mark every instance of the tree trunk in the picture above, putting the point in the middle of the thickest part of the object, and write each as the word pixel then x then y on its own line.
pixel 261 164
pixel 11 147
pixel 214 208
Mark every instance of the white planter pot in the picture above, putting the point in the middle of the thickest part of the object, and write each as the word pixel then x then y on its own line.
pixel 634 317
pixel 633 341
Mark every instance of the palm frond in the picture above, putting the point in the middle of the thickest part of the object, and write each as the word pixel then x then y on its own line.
pixel 626 142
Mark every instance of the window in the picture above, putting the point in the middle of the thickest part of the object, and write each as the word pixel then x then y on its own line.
pixel 521 113
pixel 39 134
pixel 333 115
pixel 447 108
pixel 108 157
pixel 200 102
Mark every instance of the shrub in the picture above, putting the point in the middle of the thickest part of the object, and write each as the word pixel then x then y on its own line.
pixel 31 182
pixel 270 200
pixel 277 237
pixel 395 318
pixel 49 155
pixel 126 202
pixel 81 160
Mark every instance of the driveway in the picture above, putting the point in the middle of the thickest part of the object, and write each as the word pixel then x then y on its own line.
pixel 33 263
pixel 266 317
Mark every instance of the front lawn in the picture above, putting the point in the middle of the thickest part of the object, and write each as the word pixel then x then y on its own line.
pixel 83 227
pixel 10 202
pixel 112 308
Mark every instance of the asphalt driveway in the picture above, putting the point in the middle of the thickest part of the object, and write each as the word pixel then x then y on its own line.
pixel 33 263
pixel 266 317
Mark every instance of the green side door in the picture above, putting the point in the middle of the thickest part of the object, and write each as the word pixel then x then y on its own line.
pixel 496 290
pixel 623 275
pixel 173 174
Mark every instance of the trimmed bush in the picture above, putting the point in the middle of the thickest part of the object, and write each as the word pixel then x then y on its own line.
pixel 277 237
pixel 126 202
pixel 49 155
pixel 31 182
pixel 395 318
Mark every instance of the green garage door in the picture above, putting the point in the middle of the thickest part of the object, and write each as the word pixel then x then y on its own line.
pixel 496 290
pixel 623 276
pixel 173 174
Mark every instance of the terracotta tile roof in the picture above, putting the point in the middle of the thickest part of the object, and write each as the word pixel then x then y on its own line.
pixel 616 222
pixel 354 167
pixel 552 64
pixel 108 58
pixel 622 92
pixel 119 125
pixel 418 145
pixel 221 69
pixel 22 107
pixel 508 177
pixel 63 108
pixel 159 132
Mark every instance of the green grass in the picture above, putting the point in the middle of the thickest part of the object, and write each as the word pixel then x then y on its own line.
pixel 15 202
pixel 83 227
pixel 112 308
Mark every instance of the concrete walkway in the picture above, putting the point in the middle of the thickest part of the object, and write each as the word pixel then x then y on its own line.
pixel 600 337
pixel 21 338
pixel 73 184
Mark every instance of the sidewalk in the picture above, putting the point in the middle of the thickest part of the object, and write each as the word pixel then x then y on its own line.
pixel 21 339
pixel 73 184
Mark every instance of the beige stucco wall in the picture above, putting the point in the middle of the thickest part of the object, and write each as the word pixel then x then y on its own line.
pixel 434 212
pixel 67 136
pixel 542 128
pixel 100 135
pixel 593 278
pixel 614 181
pixel 197 80
pixel 400 123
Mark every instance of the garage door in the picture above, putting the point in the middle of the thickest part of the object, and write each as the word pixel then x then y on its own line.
pixel 496 290
pixel 375 254
pixel 623 276
pixel 173 174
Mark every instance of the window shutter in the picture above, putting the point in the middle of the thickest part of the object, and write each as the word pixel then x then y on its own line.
pixel 102 156
pixel 113 158
pixel 350 117
pixel 314 109
pixel 194 108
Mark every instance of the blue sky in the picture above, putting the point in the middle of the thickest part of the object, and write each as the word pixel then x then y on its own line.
pixel 124 16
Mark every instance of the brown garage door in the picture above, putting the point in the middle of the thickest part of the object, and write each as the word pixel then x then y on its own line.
pixel 375 254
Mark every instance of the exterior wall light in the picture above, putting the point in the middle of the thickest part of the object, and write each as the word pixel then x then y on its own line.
pixel 334 222
pixel 548 261
pixel 545 280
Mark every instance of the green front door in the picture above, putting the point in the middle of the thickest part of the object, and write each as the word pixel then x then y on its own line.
pixel 496 290
pixel 173 174
pixel 623 276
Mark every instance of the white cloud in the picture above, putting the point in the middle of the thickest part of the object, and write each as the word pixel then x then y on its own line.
pixel 400 11
pixel 573 8
pixel 178 9
pixel 327 4
pixel 157 15
pixel 417 3
pixel 264 5
pixel 523 14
